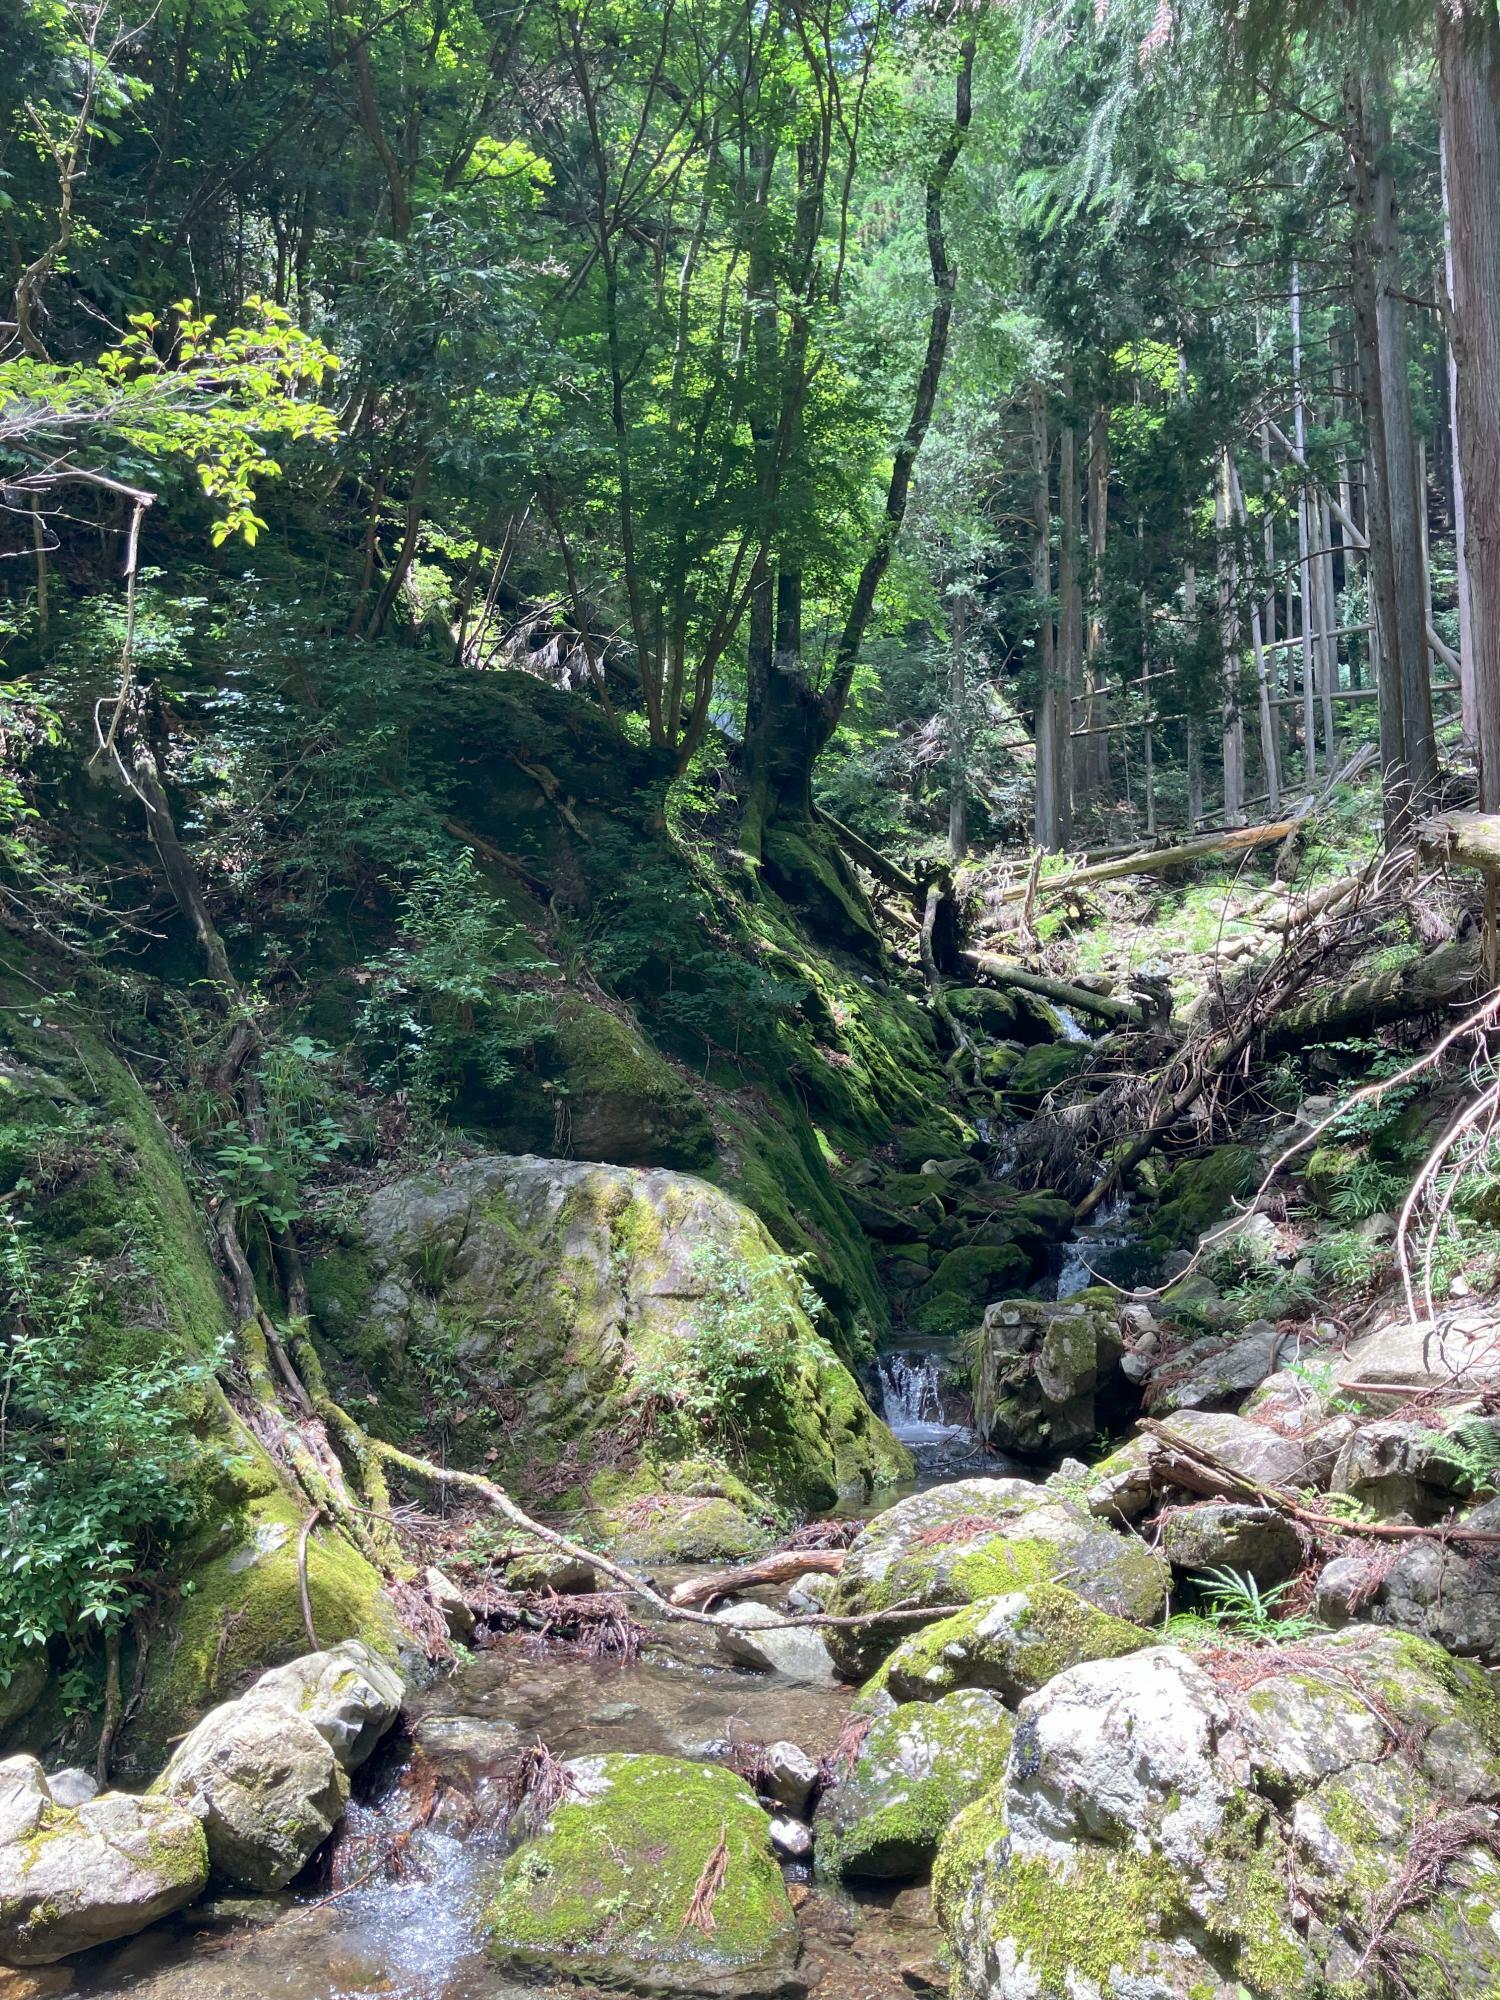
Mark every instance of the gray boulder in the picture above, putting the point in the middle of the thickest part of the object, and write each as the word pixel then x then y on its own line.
pixel 1410 1355
pixel 268 1774
pixel 1253 1450
pixel 1256 1541
pixel 980 1538
pixel 76 1876
pixel 1165 1826
pixel 798 1652
pixel 1212 1374
pixel 1043 1373
pixel 915 1769
pixel 789 1776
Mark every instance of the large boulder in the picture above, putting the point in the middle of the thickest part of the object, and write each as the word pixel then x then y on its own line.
pixel 1256 1452
pixel 916 1768
pixel 1233 1829
pixel 1219 1534
pixel 1442 1590
pixel 73 1877
pixel 982 1538
pixel 268 1774
pixel 649 1875
pixel 1011 1645
pixel 1409 1354
pixel 1214 1374
pixel 1045 1375
pixel 569 1298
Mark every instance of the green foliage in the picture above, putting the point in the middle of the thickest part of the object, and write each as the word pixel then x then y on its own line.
pixel 741 1344
pixel 1237 1604
pixel 442 1004
pixel 1474 1447
pixel 95 1457
pixel 266 1171
pixel 1346 1258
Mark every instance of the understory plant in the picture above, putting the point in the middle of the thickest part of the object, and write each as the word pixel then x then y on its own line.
pixel 96 1457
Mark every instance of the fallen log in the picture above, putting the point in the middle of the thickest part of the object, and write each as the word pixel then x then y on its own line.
pixel 1470 839
pixel 1157 860
pixel 1104 1006
pixel 871 859
pixel 784 1567
pixel 1434 982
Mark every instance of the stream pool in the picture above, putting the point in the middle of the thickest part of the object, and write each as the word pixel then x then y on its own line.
pixel 359 1927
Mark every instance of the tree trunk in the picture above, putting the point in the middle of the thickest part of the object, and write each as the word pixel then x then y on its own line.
pixel 958 732
pixel 1469 66
pixel 1053 803
pixel 1395 787
pixel 1468 696
pixel 1403 498
pixel 1229 647
pixel 1096 745
pixel 1070 602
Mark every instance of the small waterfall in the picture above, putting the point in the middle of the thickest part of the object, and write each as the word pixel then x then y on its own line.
pixel 1073 1029
pixel 911 1398
pixel 1088 1251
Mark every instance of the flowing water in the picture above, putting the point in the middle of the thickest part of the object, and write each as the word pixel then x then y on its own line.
pixel 371 1932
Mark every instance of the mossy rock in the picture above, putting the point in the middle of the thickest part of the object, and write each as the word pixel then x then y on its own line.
pixel 623 1101
pixel 578 1316
pixel 917 1767
pixel 605 1892
pixel 1044 1068
pixel 982 1538
pixel 965 1281
pixel 1011 1645
pixel 1328 1171
pixel 669 1528
pixel 1198 1193
pixel 239 1611
pixel 987 1008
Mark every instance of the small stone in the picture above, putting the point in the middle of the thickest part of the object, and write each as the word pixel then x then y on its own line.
pixel 791 1837
pixel 789 1775
pixel 615 1711
pixel 451 1605
pixel 72 1786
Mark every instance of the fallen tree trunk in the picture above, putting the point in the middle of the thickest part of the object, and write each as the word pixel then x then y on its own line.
pixel 1157 860
pixel 871 859
pixel 784 1567
pixel 1470 839
pixel 1439 980
pixel 1104 1006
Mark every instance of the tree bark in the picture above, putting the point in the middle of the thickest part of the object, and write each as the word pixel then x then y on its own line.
pixel 1070 601
pixel 1053 802
pixel 1469 67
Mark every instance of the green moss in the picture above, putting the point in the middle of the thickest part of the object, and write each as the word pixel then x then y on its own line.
pixel 1044 1068
pixel 1328 1171
pixel 622 1101
pixel 1053 1630
pixel 964 1283
pixel 918 1766
pixel 1198 1193
pixel 604 1892
pixel 240 1611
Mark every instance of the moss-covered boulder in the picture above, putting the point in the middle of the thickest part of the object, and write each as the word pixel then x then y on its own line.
pixel 916 1768
pixel 963 1284
pixel 1328 1170
pixel 1011 1645
pixel 1045 1067
pixel 650 1875
pixel 621 1100
pixel 72 1877
pixel 1165 1826
pixel 575 1317
pixel 1046 1375
pixel 1197 1194
pixel 982 1538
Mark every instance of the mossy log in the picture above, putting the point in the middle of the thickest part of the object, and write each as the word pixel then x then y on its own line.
pixel 1472 840
pixel 1439 980
pixel 1080 999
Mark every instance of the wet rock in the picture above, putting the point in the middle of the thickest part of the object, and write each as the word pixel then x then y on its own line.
pixel 791 1837
pixel 76 1876
pixel 1010 1645
pixel 798 1652
pixel 1044 1068
pixel 789 1775
pixel 915 1769
pixel 1139 1842
pixel 1256 1541
pixel 1044 1374
pixel 1212 1374
pixel 449 1602
pixel 664 1529
pixel 604 1892
pixel 809 1593
pixel 981 1538
pixel 268 1774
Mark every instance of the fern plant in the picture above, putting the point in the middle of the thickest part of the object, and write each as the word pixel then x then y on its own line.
pixel 1237 1603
